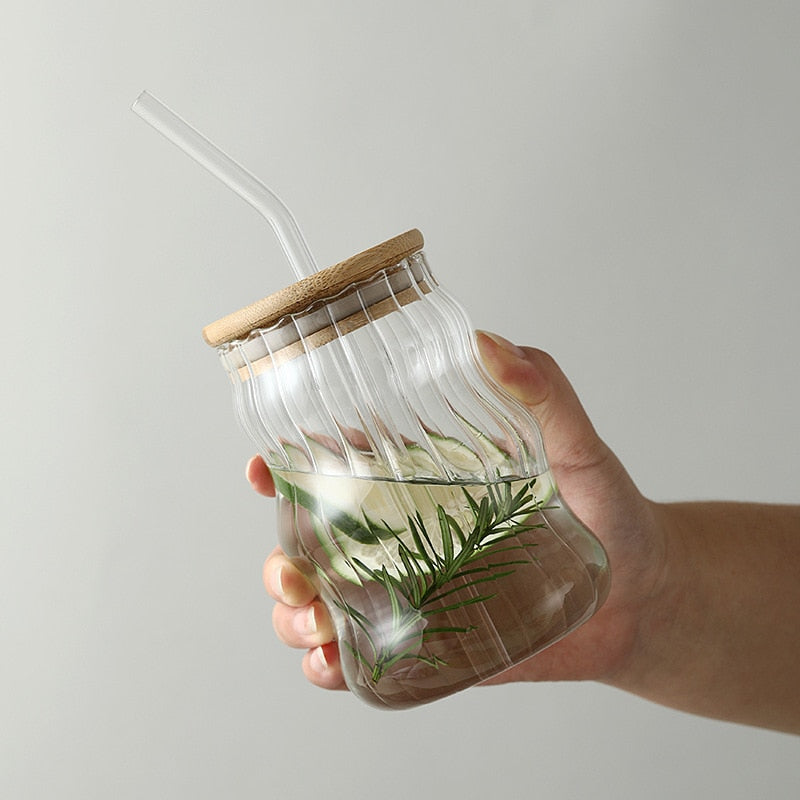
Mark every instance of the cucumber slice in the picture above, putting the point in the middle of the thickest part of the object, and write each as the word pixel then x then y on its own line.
pixel 327 461
pixel 422 461
pixel 338 562
pixel 318 505
pixel 298 459
pixel 457 454
pixel 494 455
pixel 348 533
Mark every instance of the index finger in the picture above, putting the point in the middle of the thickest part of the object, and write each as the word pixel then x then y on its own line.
pixel 260 477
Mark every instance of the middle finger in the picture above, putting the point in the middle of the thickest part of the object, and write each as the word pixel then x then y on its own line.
pixel 303 627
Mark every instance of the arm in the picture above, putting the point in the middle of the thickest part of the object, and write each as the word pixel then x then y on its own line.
pixel 704 609
pixel 725 640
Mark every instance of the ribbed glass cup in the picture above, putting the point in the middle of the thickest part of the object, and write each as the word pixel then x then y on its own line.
pixel 411 486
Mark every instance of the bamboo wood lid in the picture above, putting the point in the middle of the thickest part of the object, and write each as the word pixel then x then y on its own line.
pixel 321 285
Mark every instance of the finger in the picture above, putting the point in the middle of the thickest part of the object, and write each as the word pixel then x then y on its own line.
pixel 322 667
pixel 285 583
pixel 260 477
pixel 356 438
pixel 306 626
pixel 534 378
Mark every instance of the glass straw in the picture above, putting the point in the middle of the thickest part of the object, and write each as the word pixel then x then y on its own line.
pixel 233 175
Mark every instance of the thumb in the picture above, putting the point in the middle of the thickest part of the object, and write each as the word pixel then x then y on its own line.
pixel 534 378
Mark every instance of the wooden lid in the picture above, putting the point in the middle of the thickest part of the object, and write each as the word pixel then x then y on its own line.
pixel 319 286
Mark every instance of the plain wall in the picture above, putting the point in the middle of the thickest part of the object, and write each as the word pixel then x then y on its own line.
pixel 616 182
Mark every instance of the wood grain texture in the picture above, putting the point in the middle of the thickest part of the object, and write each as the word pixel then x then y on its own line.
pixel 321 285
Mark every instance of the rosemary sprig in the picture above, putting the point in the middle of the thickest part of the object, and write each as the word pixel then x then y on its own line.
pixel 430 575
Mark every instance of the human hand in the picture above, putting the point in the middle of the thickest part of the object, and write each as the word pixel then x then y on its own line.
pixel 299 617
pixel 593 483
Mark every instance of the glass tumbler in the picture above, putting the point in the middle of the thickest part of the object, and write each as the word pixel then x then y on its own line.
pixel 411 487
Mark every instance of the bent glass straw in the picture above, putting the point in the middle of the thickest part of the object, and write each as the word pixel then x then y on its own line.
pixel 233 175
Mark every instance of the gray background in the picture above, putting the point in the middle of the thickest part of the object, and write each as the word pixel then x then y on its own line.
pixel 617 182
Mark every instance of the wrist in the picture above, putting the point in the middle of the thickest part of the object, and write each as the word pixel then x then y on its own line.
pixel 662 607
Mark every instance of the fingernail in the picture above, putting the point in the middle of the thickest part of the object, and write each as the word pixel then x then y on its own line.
pixel 318 661
pixel 501 341
pixel 276 581
pixel 306 624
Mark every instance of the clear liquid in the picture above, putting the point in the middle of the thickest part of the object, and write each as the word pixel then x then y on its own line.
pixel 427 596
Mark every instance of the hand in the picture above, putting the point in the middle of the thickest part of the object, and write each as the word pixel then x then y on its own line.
pixel 299 618
pixel 704 608
pixel 593 483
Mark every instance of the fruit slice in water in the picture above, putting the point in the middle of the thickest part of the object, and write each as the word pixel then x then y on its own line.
pixel 457 453
pixel 362 518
